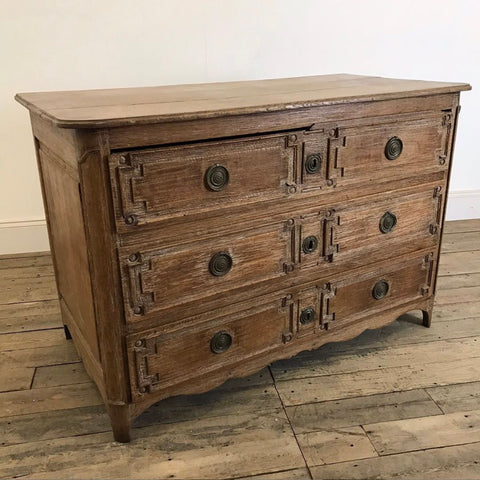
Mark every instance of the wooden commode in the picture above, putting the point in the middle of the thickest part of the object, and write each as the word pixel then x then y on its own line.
pixel 200 232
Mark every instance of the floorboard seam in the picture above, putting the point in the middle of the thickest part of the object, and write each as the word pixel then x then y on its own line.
pixel 370 441
pixel 264 473
pixel 426 449
pixel 22 302
pixel 381 393
pixel 356 349
pixel 375 370
pixel 431 398
pixel 447 253
pixel 353 349
pixel 33 378
pixel 436 320
pixel 398 454
pixel 30 331
pixel 290 423
pixel 457 274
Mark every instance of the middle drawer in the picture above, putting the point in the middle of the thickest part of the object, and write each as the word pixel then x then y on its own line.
pixel 297 249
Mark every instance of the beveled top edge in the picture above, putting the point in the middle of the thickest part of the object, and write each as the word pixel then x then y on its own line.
pixel 141 105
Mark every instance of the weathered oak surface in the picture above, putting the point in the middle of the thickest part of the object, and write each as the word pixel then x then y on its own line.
pixel 152 104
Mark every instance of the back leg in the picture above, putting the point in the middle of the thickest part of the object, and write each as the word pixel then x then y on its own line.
pixel 68 335
pixel 427 317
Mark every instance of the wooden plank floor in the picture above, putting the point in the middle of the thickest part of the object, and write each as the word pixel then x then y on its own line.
pixel 399 402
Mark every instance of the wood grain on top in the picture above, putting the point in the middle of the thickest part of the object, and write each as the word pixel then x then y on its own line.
pixel 130 106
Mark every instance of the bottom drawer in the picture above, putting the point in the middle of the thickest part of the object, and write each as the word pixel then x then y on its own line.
pixel 160 358
pixel 163 359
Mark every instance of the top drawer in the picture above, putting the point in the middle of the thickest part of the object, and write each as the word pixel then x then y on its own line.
pixel 205 178
pixel 153 184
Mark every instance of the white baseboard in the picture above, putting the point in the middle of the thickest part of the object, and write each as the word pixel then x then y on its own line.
pixel 463 205
pixel 31 235
pixel 24 236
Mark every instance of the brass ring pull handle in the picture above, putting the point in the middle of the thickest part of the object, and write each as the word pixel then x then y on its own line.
pixel 220 264
pixel 216 178
pixel 387 222
pixel 393 148
pixel 313 163
pixel 380 289
pixel 220 342
pixel 309 244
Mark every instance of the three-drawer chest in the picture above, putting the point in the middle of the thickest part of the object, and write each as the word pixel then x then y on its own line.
pixel 200 232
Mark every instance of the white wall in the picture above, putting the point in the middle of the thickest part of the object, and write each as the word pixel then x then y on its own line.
pixel 78 44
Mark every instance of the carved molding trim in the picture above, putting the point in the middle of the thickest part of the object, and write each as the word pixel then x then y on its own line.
pixel 443 153
pixel 438 200
pixel 140 300
pixel 330 243
pixel 336 141
pixel 143 348
pixel 128 169
pixel 294 143
pixel 428 265
pixel 290 261
pixel 327 314
pixel 288 306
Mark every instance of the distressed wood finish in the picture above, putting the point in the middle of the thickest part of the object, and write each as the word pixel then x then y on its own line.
pixel 200 232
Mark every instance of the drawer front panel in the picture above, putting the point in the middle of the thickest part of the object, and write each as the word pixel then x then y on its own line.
pixel 342 300
pixel 160 360
pixel 154 280
pixel 351 236
pixel 356 297
pixel 173 181
pixel 359 154
pixel 414 218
